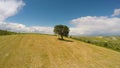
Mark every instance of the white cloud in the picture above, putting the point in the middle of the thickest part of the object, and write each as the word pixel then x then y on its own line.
pixel 42 29
pixel 9 8
pixel 93 25
pixel 116 12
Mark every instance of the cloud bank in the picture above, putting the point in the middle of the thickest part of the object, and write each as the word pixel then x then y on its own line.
pixel 93 25
pixel 22 28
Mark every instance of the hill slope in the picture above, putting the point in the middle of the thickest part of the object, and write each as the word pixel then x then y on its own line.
pixel 43 51
pixel 112 42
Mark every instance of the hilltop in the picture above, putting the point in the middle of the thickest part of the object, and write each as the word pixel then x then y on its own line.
pixel 45 51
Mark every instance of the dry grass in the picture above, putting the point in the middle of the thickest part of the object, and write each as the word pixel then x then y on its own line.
pixel 43 51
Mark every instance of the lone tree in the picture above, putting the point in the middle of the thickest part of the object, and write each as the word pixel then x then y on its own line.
pixel 61 30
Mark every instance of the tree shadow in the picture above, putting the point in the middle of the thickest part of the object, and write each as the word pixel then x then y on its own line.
pixel 65 40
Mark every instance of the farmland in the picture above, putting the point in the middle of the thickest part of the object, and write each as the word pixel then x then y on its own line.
pixel 45 51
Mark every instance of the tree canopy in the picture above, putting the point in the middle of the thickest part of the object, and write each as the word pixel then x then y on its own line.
pixel 61 30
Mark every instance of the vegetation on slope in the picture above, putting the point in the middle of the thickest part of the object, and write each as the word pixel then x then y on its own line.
pixel 112 42
pixel 4 32
pixel 43 51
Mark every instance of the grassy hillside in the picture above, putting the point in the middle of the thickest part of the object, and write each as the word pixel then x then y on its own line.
pixel 43 51
pixel 112 42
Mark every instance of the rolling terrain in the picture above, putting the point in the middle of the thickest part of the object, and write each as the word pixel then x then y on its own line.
pixel 45 51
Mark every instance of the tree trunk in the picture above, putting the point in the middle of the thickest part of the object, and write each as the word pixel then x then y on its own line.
pixel 61 37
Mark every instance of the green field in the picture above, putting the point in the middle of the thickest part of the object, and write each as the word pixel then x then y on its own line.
pixel 45 51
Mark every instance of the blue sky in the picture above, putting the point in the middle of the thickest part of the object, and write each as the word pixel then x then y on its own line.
pixel 52 12
pixel 84 17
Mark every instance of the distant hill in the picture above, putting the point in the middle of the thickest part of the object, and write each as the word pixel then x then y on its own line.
pixel 5 32
pixel 45 51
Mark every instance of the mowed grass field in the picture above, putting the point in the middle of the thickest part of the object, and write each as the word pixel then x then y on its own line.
pixel 44 51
